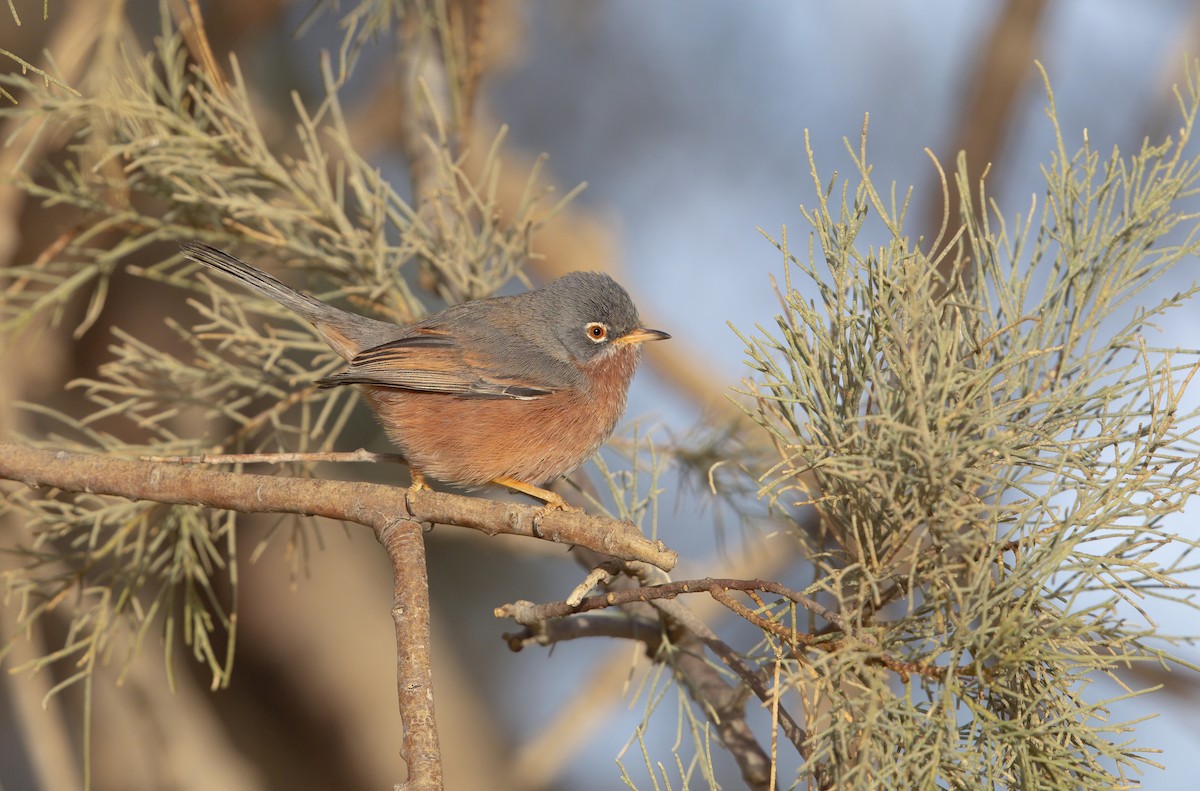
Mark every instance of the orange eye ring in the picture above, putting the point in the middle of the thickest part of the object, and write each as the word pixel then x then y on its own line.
pixel 596 332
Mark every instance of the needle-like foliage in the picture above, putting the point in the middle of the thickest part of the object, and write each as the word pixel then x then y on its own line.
pixel 994 456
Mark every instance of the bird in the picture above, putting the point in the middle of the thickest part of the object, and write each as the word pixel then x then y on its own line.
pixel 513 390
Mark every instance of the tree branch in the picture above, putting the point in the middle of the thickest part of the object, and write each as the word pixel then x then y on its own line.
pixel 536 616
pixel 527 613
pixel 395 516
pixel 531 615
pixel 723 703
pixel 414 659
pixel 367 504
pixel 558 630
pixel 546 623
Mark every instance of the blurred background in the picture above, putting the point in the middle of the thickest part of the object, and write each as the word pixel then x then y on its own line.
pixel 687 120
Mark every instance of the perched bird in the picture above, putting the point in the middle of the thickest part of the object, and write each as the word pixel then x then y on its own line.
pixel 515 390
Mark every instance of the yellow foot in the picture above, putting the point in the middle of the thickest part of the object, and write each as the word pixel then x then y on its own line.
pixel 558 504
pixel 553 502
pixel 418 483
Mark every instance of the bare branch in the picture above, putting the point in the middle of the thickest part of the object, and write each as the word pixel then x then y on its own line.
pixel 559 630
pixel 364 503
pixel 526 613
pixel 723 703
pixel 394 514
pixel 414 661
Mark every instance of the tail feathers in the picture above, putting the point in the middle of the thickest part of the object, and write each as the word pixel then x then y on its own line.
pixel 346 333
pixel 256 279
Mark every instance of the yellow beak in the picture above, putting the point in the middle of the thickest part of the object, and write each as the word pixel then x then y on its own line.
pixel 641 335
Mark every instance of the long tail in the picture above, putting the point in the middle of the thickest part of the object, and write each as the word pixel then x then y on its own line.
pixel 346 333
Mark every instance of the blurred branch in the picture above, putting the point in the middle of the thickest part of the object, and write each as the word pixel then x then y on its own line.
pixel 45 734
pixel 725 705
pixel 986 109
pixel 72 42
pixel 190 24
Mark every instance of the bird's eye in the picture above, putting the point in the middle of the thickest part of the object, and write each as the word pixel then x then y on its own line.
pixel 596 332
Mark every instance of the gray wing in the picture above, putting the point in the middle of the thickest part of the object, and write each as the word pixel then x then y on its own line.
pixel 433 360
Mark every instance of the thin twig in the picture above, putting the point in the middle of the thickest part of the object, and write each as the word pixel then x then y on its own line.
pixel 721 596
pixel 277 458
pixel 559 630
pixel 600 575
pixel 526 613
pixel 662 598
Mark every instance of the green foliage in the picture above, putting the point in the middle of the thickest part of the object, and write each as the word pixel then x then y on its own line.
pixel 992 453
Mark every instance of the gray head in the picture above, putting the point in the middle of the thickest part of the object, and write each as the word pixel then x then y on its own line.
pixel 591 315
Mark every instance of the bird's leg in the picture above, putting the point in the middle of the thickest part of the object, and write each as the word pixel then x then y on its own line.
pixel 554 502
pixel 418 483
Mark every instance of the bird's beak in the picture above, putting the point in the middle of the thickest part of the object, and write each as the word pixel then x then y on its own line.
pixel 641 335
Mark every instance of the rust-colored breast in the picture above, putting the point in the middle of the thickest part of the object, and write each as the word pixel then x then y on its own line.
pixel 473 441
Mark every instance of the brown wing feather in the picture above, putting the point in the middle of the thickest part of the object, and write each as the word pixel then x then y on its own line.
pixel 431 361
